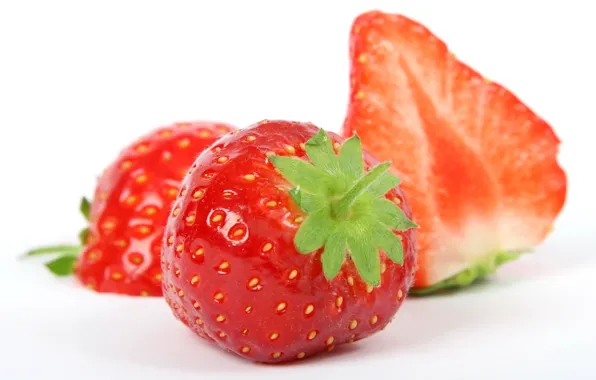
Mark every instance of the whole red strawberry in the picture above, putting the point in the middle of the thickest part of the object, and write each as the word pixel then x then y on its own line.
pixel 479 167
pixel 278 248
pixel 122 245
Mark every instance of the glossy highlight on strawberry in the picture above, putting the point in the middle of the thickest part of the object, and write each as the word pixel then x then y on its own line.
pixel 120 248
pixel 237 269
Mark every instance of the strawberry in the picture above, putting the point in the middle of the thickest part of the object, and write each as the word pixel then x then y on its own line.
pixel 271 250
pixel 121 247
pixel 479 167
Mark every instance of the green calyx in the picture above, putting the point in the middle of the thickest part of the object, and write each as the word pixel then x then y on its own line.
pixel 63 265
pixel 347 213
pixel 468 276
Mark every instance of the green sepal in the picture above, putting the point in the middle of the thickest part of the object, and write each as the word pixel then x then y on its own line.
pixel 308 202
pixel 468 276
pixel 301 173
pixel 63 265
pixel 347 213
pixel 314 231
pixel 85 207
pixel 65 249
pixel 342 207
pixel 350 158
pixel 84 235
pixel 334 253
pixel 390 215
pixel 319 150
pixel 364 254
pixel 389 242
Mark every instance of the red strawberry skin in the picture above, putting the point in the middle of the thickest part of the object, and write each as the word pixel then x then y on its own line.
pixel 479 168
pixel 131 205
pixel 231 270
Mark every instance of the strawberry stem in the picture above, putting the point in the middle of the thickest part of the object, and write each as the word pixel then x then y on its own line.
pixel 63 265
pixel 347 213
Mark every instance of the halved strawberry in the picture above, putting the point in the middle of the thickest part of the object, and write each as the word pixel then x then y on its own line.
pixel 478 166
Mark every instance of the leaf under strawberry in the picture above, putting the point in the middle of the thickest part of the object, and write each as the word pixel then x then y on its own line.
pixel 478 166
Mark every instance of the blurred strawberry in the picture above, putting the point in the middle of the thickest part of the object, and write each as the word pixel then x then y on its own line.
pixel 120 250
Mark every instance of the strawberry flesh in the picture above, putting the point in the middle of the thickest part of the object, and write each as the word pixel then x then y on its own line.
pixel 478 166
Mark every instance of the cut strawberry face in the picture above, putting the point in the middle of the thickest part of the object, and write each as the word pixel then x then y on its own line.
pixel 478 166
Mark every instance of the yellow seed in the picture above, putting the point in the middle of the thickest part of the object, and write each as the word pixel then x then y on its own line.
pixel 336 146
pixel 224 265
pixel 179 248
pixel 196 305
pixel 204 133
pixel 396 200
pixel 239 232
pixel 176 211
pixel 249 177
pixel 142 178
pixel 130 200
pixel 312 335
pixel 309 309
pixel 290 149
pixel 144 230
pixel 144 293
pixel 351 280
pixel 157 277
pixel 339 301
pixel 198 194
pixel 301 355
pixel 281 306
pixel 220 318
pixel 117 276
pixel 359 95
pixel 374 319
pixel 222 159
pixel 383 267
pixel 222 334
pixel 276 355
pixel 142 148
pixel 250 138
pixel 248 309
pixel 271 204
pixel 293 274
pixel 180 293
pixel 195 280
pixel 171 240
pixel 126 165
pixel 199 251
pixel 331 348
pixel 253 282
pixel 218 296
pixel 353 324
pixel 245 332
pixel 369 288
pixel 399 294
pixel 362 58
pixel 267 247
pixel 151 211
pixel 166 133
pixel 246 349
pixel 199 321
pixel 302 146
pixel 274 336
pixel 217 218
pixel 184 143
pixel 298 219
pixel 190 218
pixel 329 340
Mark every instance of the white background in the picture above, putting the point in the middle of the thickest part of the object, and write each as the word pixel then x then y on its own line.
pixel 79 80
